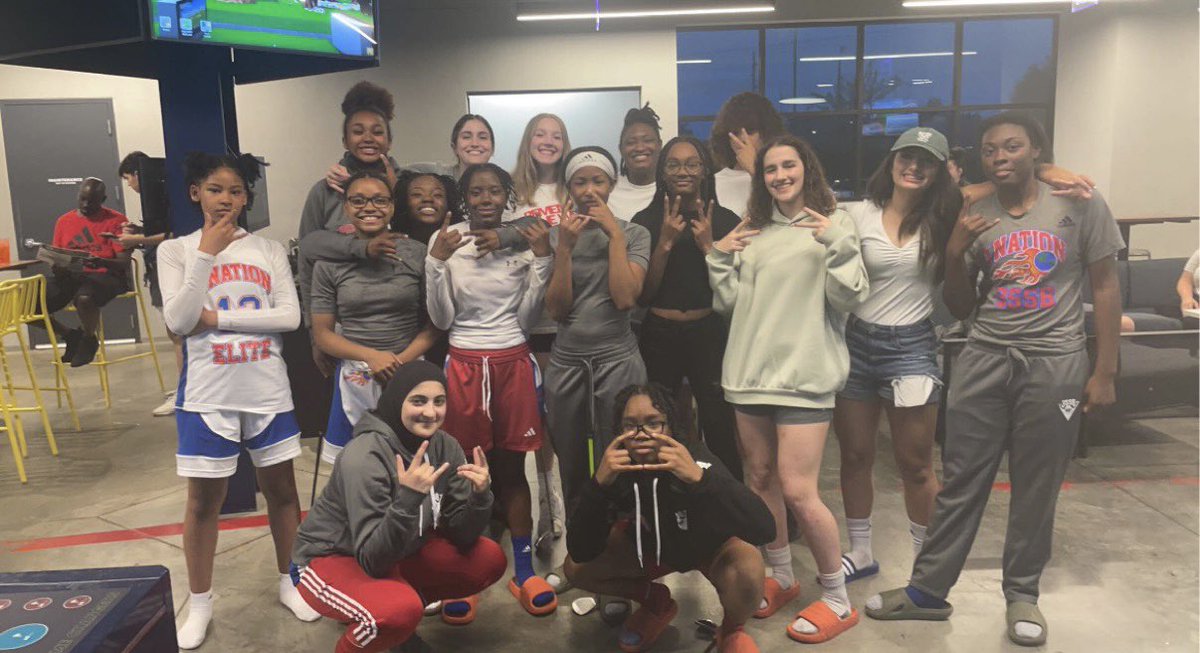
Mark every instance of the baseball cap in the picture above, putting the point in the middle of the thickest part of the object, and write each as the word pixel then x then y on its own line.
pixel 926 138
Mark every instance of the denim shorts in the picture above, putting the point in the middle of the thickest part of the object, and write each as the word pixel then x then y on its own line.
pixel 884 358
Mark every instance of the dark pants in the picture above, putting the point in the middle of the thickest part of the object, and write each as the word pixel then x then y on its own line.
pixel 674 350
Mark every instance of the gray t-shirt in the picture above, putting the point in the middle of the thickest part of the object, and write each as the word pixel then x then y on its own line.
pixel 378 303
pixel 595 326
pixel 1034 268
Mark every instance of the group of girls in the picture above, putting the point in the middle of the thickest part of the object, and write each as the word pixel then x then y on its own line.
pixel 793 316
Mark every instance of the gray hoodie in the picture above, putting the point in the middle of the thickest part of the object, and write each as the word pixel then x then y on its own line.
pixel 365 512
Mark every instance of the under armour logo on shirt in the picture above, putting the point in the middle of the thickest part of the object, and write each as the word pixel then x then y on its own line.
pixel 1067 407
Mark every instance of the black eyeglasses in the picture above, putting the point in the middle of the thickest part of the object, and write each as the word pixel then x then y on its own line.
pixel 649 428
pixel 692 167
pixel 360 202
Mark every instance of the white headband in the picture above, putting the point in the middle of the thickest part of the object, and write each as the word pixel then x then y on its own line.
pixel 590 158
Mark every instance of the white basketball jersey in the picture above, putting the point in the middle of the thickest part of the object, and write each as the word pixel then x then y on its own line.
pixel 240 365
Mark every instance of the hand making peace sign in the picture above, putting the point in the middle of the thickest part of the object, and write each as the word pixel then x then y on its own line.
pixel 419 476
pixel 737 240
pixel 477 473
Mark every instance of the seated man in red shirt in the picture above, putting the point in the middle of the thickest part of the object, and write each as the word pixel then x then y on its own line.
pixel 92 228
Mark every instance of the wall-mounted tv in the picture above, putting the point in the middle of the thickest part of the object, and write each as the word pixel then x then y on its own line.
pixel 338 28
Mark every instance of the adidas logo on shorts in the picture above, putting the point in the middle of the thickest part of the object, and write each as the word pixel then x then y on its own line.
pixel 1067 407
pixel 530 433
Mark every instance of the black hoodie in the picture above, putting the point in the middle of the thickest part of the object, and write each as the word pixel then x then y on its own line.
pixel 681 525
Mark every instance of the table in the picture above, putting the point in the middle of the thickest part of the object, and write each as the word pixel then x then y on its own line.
pixel 126 609
pixel 1126 226
pixel 17 266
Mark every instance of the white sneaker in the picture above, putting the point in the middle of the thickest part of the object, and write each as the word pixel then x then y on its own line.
pixel 167 407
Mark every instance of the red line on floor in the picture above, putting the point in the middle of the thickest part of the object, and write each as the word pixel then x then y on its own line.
pixel 258 521
pixel 109 537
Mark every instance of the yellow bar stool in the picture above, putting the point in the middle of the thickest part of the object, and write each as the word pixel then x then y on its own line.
pixel 28 301
pixel 102 361
pixel 8 427
pixel 9 408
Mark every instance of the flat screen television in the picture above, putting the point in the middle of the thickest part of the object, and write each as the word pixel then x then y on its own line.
pixel 336 28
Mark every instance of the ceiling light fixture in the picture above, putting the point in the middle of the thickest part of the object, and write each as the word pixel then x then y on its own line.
pixel 682 62
pixel 921 4
pixel 873 57
pixel 803 100
pixel 746 8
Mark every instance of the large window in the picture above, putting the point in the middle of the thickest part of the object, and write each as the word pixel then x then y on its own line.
pixel 851 89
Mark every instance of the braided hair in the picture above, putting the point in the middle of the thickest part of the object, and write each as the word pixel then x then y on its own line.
pixel 404 222
pixel 642 116
pixel 662 400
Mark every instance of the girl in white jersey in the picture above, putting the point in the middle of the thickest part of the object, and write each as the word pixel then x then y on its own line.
pixel 488 304
pixel 230 294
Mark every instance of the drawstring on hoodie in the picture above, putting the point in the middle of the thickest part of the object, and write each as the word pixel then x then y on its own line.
pixel 421 508
pixel 637 506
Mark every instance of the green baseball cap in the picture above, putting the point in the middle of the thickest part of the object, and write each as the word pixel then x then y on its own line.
pixel 926 138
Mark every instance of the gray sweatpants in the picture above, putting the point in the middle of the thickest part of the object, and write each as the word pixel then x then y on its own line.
pixel 579 404
pixel 1003 401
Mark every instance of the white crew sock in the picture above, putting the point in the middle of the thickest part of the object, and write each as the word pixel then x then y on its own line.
pixel 833 593
pixel 1027 629
pixel 779 567
pixel 290 597
pixel 918 536
pixel 860 542
pixel 191 634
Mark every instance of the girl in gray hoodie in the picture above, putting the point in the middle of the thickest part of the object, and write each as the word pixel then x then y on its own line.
pixel 399 524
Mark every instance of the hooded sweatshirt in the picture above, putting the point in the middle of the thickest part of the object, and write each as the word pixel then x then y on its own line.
pixel 788 295
pixel 366 513
pixel 681 525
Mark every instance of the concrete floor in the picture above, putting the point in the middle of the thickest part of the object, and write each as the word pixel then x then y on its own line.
pixel 1123 578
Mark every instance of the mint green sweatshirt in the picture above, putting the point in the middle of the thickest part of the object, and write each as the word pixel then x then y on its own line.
pixel 788 295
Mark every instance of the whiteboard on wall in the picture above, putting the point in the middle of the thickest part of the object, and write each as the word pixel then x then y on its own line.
pixel 593 116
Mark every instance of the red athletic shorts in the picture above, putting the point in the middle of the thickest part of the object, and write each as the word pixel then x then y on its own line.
pixel 493 399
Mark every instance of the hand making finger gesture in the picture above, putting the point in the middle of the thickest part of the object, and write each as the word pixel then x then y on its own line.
pixel 392 177
pixel 738 239
pixel 419 476
pixel 477 473
pixel 815 221
pixel 702 226
pixel 447 241
pixel 603 216
pixel 538 237
pixel 966 231
pixel 336 177
pixel 571 226
pixel 383 245
pixel 219 233
pixel 615 461
pixel 745 148
pixel 675 458
pixel 673 223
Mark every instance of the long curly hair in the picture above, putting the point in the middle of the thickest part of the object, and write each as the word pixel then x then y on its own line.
pixel 525 175
pixel 818 196
pixel 749 111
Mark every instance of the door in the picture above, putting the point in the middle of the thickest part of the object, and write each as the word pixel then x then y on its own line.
pixel 51 147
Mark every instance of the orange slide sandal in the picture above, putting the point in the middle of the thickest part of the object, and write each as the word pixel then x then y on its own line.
pixel 644 627
pixel 828 624
pixel 776 597
pixel 472 601
pixel 534 587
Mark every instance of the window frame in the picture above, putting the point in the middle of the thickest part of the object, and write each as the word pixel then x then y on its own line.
pixel 858 113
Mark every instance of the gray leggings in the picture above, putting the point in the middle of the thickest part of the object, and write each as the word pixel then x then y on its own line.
pixel 579 407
